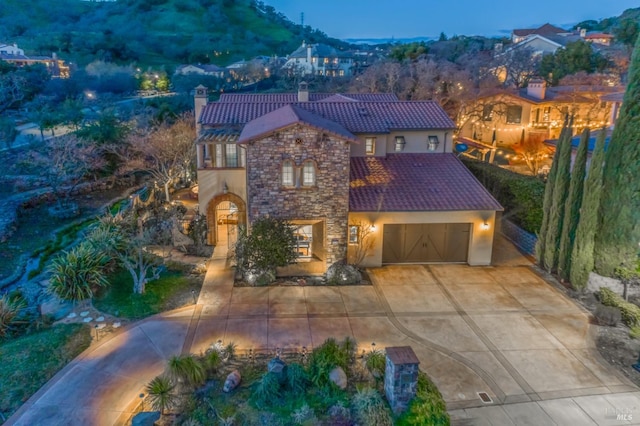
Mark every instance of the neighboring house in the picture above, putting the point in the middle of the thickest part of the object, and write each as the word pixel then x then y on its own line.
pixel 545 30
pixel 207 69
pixel 335 165
pixel 320 59
pixel 598 38
pixel 508 117
pixel 14 55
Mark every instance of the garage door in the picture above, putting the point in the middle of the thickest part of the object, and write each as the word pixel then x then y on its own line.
pixel 425 242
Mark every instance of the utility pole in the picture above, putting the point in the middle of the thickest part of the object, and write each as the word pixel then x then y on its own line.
pixel 302 19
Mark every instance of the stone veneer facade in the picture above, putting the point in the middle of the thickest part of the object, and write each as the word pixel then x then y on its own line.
pixel 327 201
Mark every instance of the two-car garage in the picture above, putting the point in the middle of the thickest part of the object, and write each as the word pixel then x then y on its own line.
pixel 425 242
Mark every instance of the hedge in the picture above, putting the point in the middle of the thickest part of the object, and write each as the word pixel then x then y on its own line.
pixel 630 312
pixel 520 195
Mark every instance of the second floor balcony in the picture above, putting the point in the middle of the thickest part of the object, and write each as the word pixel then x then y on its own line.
pixel 217 149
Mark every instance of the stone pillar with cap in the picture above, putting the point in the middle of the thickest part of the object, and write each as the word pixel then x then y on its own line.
pixel 400 377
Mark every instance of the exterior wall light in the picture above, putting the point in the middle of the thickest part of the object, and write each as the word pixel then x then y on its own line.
pixel 373 227
pixel 484 226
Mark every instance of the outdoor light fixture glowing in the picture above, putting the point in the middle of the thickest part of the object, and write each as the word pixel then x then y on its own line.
pixel 484 226
pixel 373 227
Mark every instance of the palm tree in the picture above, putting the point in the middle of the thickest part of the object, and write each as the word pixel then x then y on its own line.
pixel 160 391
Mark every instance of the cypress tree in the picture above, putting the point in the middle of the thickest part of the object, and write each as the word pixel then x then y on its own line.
pixel 572 207
pixel 618 232
pixel 582 253
pixel 560 193
pixel 546 202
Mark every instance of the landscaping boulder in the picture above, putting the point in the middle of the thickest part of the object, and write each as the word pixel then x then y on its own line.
pixel 343 274
pixel 232 382
pixel 279 368
pixel 339 377
pixel 260 278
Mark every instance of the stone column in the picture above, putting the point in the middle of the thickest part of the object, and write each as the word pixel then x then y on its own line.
pixel 400 377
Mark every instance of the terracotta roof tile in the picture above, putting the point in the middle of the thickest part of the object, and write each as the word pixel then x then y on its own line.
pixel 287 116
pixel 313 97
pixel 356 117
pixel 415 182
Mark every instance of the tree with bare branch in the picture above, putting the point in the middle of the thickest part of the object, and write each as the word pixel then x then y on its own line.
pixel 533 152
pixel 166 152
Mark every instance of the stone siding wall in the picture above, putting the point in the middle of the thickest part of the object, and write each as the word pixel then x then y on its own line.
pixel 328 200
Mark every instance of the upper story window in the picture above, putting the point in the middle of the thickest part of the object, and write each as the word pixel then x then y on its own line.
pixel 370 146
pixel 287 173
pixel 514 114
pixel 432 143
pixel 399 143
pixel 308 173
pixel 231 155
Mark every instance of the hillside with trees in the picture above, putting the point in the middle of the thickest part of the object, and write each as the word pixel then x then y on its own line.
pixel 153 32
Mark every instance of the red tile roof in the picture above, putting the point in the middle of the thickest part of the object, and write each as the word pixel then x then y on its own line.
pixel 356 117
pixel 546 29
pixel 313 97
pixel 415 182
pixel 287 116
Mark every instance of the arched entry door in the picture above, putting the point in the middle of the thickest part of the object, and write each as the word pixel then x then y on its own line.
pixel 224 213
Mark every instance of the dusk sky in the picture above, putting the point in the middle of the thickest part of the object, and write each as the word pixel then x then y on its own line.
pixel 414 18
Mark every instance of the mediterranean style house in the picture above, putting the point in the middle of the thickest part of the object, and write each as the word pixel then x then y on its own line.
pixel 360 176
pixel 506 118
pixel 12 54
pixel 320 59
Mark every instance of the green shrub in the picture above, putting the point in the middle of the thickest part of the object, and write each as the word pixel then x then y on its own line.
pixel 267 390
pixel 630 312
pixel 428 406
pixel 520 195
pixel 376 362
pixel 634 333
pixel 211 360
pixel 161 393
pixel 324 359
pixel 187 370
pixel 607 315
pixel 296 378
pixel 370 409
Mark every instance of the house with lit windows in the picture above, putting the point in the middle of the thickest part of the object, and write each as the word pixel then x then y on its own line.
pixel 320 59
pixel 508 117
pixel 334 165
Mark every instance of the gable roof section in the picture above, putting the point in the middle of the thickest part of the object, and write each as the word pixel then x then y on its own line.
pixel 287 116
pixel 313 97
pixel 415 182
pixel 546 29
pixel 356 117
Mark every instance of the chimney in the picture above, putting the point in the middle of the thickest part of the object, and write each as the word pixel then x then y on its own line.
pixel 309 54
pixel 583 32
pixel 536 88
pixel 303 92
pixel 200 99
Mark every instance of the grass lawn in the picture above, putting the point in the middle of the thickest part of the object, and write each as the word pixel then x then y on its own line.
pixel 29 361
pixel 171 291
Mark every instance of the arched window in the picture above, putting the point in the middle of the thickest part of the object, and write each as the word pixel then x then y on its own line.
pixel 287 173
pixel 308 173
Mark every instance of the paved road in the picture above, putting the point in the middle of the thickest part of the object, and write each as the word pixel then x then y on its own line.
pixel 501 330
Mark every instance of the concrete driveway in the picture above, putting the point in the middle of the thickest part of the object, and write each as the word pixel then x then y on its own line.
pixel 500 330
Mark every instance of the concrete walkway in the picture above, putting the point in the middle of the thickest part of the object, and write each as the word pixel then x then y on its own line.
pixel 500 330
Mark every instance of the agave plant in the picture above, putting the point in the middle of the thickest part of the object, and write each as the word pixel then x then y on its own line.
pixel 161 393
pixel 9 310
pixel 187 370
pixel 76 273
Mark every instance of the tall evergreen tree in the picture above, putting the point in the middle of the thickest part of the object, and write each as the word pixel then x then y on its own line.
pixel 546 203
pixel 560 192
pixel 572 206
pixel 619 222
pixel 582 254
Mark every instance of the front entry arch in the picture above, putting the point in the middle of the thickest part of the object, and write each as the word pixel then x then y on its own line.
pixel 212 220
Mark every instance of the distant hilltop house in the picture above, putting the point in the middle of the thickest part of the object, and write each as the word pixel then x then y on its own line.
pixel 537 110
pixel 340 167
pixel 206 69
pixel 13 54
pixel 549 38
pixel 320 59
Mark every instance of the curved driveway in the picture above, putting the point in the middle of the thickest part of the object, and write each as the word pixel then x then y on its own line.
pixel 500 330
